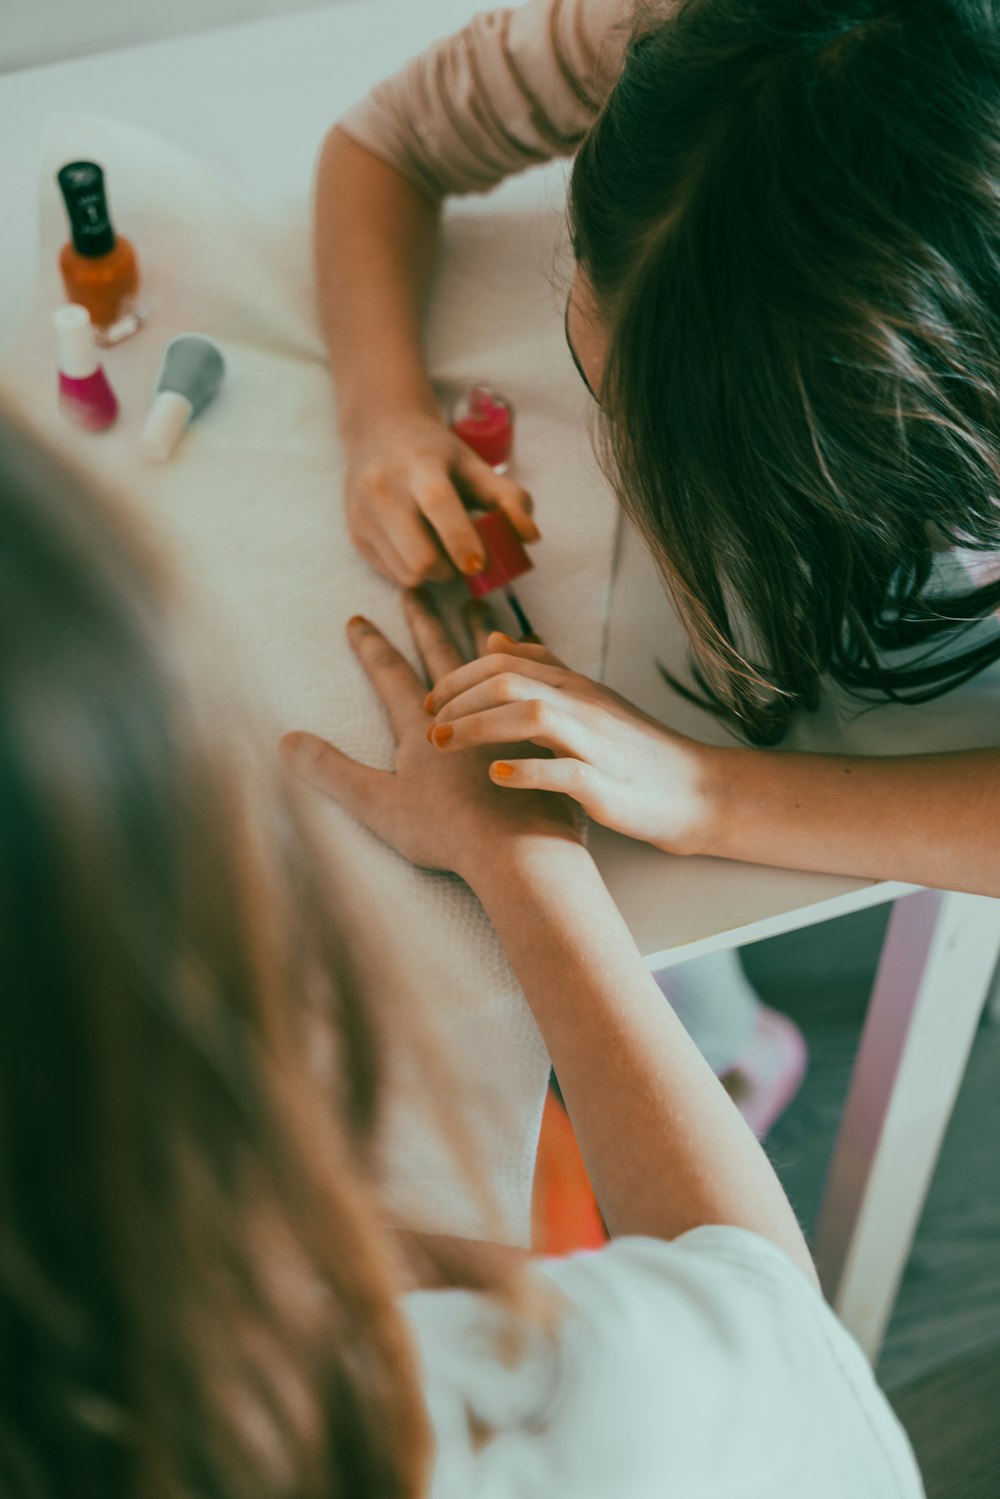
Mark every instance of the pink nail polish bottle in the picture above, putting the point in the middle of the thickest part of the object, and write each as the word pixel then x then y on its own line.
pixel 85 396
pixel 485 422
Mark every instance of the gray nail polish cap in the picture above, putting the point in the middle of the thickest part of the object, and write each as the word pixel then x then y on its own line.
pixel 189 378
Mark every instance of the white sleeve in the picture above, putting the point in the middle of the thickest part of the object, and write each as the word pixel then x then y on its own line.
pixel 723 1367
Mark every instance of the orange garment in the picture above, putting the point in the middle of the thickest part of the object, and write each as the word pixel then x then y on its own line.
pixel 564 1212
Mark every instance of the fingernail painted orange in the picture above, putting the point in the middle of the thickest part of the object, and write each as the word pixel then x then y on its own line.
pixel 356 619
pixel 429 703
pixel 501 636
pixel 441 733
pixel 473 565
pixel 531 531
pixel 502 771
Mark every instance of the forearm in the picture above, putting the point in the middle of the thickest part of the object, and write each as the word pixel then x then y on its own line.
pixel 923 819
pixel 375 245
pixel 665 1148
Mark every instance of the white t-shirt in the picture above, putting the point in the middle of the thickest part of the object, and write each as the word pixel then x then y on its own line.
pixel 706 1368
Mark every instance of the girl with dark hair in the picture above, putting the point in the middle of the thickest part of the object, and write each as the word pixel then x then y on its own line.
pixel 201 1295
pixel 786 303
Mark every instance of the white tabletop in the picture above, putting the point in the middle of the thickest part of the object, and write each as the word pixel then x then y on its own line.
pixel 254 101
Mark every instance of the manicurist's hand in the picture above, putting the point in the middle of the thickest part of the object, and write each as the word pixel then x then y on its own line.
pixel 408 482
pixel 840 814
pixel 624 769
pixel 442 812
pixel 409 479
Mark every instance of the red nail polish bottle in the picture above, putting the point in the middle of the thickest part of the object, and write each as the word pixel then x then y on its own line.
pixel 99 267
pixel 506 558
pixel 485 422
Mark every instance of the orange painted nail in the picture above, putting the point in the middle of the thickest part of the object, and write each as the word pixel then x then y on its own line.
pixel 502 636
pixel 356 619
pixel 473 565
pixel 501 770
pixel 531 531
pixel 429 703
pixel 441 733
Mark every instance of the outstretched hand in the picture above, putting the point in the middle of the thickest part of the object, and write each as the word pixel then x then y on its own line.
pixel 439 811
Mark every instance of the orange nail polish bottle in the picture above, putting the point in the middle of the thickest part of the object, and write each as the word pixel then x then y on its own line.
pixel 99 267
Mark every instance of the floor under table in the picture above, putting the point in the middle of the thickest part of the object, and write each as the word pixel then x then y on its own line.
pixel 941 1360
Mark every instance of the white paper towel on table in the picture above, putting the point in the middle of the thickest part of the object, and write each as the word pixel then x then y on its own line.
pixel 252 502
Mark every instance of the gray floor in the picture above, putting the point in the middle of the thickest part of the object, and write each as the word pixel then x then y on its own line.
pixel 953 1418
pixel 941 1362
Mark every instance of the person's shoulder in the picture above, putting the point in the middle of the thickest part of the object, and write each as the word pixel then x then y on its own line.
pixel 718 1332
pixel 707 1364
pixel 718 1302
pixel 657 1298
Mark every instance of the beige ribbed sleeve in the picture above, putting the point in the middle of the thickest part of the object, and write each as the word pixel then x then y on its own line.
pixel 512 88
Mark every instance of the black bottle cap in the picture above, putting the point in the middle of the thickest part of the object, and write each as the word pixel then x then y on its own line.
pixel 82 184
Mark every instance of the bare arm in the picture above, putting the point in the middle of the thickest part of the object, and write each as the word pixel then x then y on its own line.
pixel 376 243
pixel 408 477
pixel 424 133
pixel 664 1146
pixel 923 819
pixel 511 88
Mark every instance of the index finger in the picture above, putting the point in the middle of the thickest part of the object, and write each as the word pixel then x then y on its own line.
pixel 485 667
pixel 481 624
pixel 442 508
pixel 397 684
pixel 437 650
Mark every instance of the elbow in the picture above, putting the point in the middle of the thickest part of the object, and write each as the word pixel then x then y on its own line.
pixel 348 169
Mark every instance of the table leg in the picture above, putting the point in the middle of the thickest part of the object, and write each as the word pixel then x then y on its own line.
pixel 937 961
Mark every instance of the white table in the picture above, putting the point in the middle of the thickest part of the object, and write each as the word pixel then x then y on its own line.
pixel 255 101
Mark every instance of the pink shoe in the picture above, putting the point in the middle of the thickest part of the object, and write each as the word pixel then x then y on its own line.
pixel 768 1075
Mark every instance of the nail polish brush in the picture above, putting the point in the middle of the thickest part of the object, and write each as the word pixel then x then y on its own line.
pixel 506 560
pixel 189 378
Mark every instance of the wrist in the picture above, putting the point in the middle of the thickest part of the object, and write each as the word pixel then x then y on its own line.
pixel 529 865
pixel 365 407
pixel 685 790
pixel 720 773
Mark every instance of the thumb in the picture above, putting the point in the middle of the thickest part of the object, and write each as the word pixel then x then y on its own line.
pixel 498 492
pixel 359 789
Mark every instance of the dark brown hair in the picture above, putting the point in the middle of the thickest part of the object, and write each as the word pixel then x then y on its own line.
pixel 196 1290
pixel 789 213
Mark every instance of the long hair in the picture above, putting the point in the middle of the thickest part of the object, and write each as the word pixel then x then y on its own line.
pixel 196 1290
pixel 789 212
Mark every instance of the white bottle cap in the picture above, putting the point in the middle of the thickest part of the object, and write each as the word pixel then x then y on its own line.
pixel 77 351
pixel 168 416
